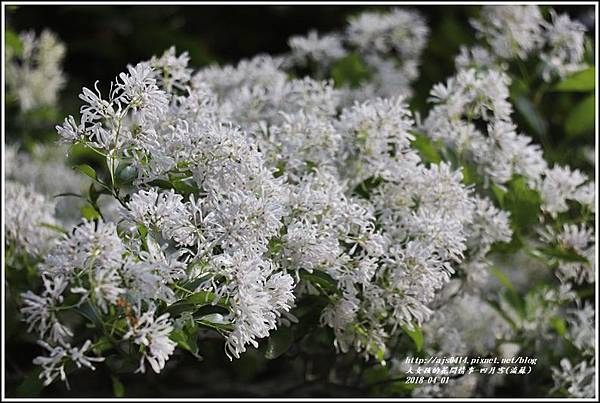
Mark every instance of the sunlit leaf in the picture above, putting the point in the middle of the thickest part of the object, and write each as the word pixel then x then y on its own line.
pixel 581 120
pixel 582 81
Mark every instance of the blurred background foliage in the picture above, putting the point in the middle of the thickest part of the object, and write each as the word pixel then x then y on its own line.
pixel 102 40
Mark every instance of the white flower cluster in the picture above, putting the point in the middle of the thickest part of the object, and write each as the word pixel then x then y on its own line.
pixel 561 184
pixel 579 381
pixel 45 171
pixel 425 213
pixel 34 73
pixel 389 43
pixel 224 226
pixel 250 189
pixel 520 31
pixel 578 240
pixel 511 31
pixel 264 181
pixel 471 115
pixel 93 265
pixel 28 215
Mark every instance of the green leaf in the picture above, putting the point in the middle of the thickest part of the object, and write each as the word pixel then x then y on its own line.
pixel 118 387
pixel 496 306
pixel 89 212
pixel 563 254
pixel 102 345
pixel 88 312
pixel 416 335
pixel 516 301
pixel 349 70
pixel 125 173
pixel 161 183
pixel 55 228
pixel 32 385
pixel 142 230
pixel 279 342
pixel 426 149
pixel 581 120
pixel 364 189
pixel 87 170
pixel 503 278
pixel 533 118
pixel 13 41
pixel 522 202
pixel 510 295
pixel 499 193
pixel 200 298
pixel 203 302
pixel 192 284
pixel 320 279
pixel 559 325
pixel 181 339
pixel 206 310
pixel 582 81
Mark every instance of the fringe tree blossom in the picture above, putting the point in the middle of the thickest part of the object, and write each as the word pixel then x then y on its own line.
pixel 28 215
pixel 518 32
pixel 53 366
pixel 482 96
pixel 45 171
pixel 565 39
pixel 152 333
pixel 561 184
pixel 243 191
pixel 40 311
pixel 313 48
pixel 579 380
pixel 34 74
pixel 511 31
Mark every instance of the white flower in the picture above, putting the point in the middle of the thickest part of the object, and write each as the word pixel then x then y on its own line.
pixel 565 38
pixel 314 49
pixel 454 331
pixel 511 31
pixel 35 75
pixel 579 380
pixel 341 314
pixel 40 311
pixel 391 45
pixel 174 72
pixel 48 174
pixel 92 245
pixel 402 31
pixel 257 297
pixel 150 277
pixel 476 57
pixel 499 152
pixel 489 225
pixel 153 333
pixel 582 330
pixel 166 212
pixel 301 139
pixel 559 185
pixel 28 214
pixel 54 365
pixel 373 133
pixel 580 240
